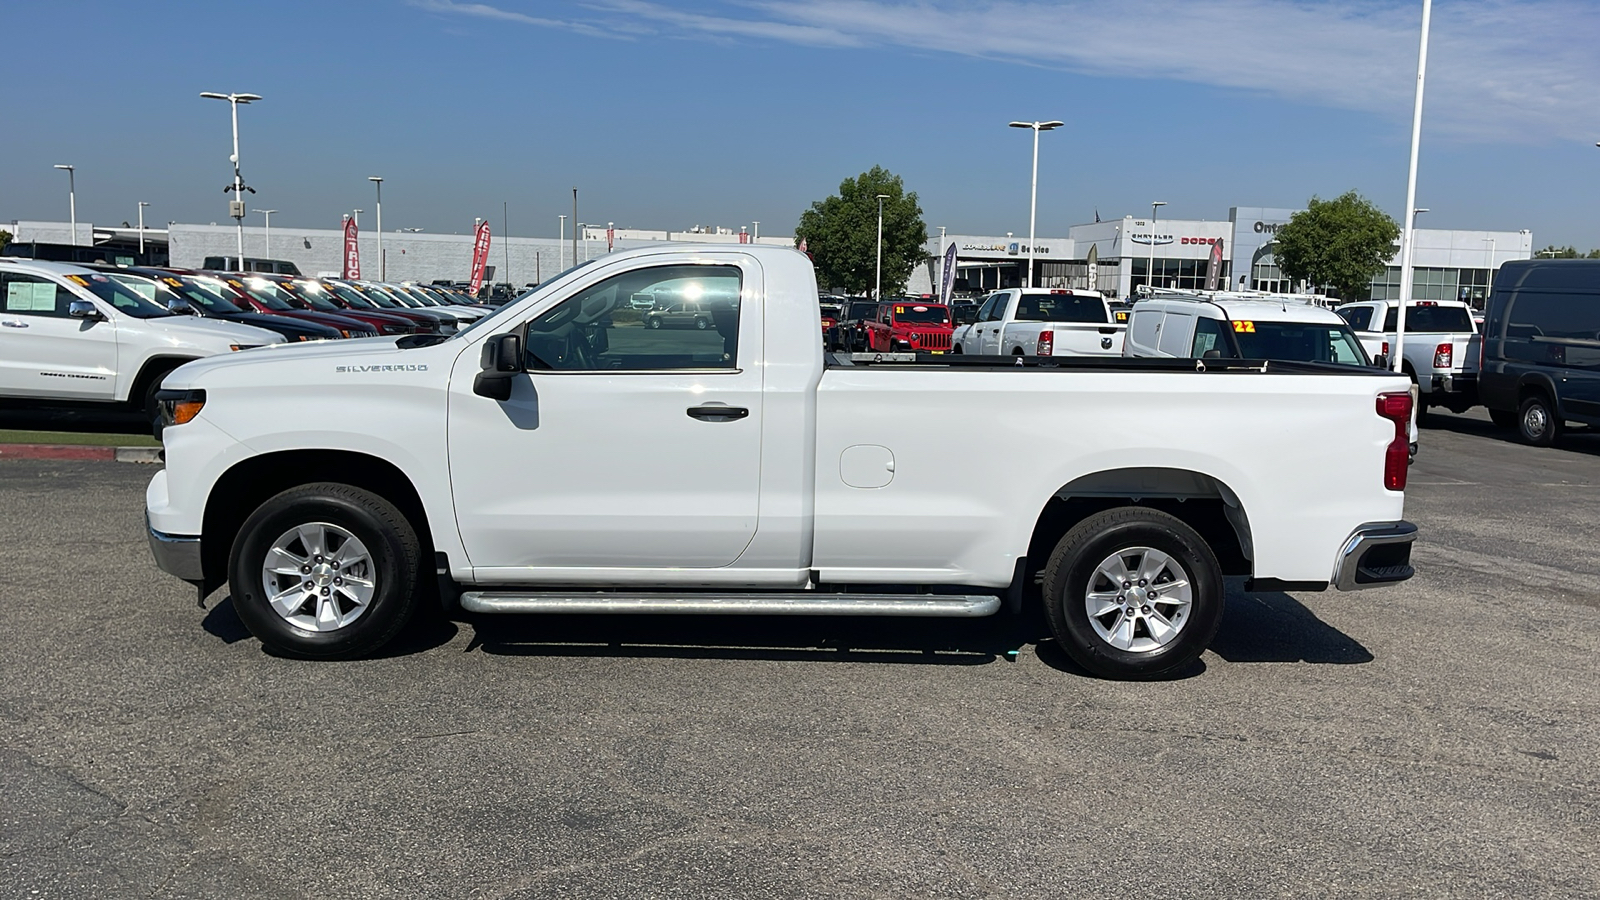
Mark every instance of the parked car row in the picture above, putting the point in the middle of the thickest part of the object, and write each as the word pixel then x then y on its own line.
pixel 103 334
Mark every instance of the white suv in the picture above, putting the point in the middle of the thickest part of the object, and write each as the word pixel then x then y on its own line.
pixel 68 333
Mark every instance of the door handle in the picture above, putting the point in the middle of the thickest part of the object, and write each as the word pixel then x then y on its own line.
pixel 13 324
pixel 718 413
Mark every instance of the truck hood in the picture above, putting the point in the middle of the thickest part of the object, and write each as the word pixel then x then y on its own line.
pixel 197 328
pixel 314 360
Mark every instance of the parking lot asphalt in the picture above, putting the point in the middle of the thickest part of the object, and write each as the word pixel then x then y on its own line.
pixel 1434 740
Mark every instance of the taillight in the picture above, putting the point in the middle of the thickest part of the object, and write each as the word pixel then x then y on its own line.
pixel 1386 349
pixel 1047 343
pixel 1396 407
pixel 1442 355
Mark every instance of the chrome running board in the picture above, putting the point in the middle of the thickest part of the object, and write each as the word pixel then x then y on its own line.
pixel 809 603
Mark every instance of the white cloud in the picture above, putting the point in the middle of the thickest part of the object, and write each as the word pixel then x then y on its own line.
pixel 1498 69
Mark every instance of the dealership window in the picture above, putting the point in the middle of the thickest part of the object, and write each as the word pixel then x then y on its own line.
pixel 1182 274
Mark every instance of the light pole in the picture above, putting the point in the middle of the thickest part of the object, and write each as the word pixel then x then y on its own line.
pixel 383 270
pixel 877 291
pixel 561 245
pixel 237 206
pixel 1406 255
pixel 1150 268
pixel 267 214
pixel 142 205
pixel 1033 196
pixel 72 199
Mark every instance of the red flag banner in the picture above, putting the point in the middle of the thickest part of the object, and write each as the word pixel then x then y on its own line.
pixel 480 257
pixel 611 238
pixel 352 250
pixel 1214 267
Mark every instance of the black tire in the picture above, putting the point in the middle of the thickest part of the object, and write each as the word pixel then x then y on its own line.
pixel 653 322
pixel 1503 418
pixel 957 350
pixel 152 409
pixel 1073 565
pixel 1537 422
pixel 395 566
pixel 702 324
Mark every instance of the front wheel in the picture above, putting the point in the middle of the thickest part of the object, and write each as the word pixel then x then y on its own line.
pixel 325 571
pixel 957 350
pixel 1133 593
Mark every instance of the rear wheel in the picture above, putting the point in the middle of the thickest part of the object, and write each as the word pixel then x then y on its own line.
pixel 325 571
pixel 702 324
pixel 1537 423
pixel 1133 593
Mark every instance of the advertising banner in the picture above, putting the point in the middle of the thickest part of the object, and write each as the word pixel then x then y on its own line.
pixel 480 257
pixel 352 250
pixel 611 238
pixel 1214 266
pixel 947 282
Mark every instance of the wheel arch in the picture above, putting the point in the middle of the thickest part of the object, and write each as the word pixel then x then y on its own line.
pixel 154 367
pixel 247 484
pixel 1203 502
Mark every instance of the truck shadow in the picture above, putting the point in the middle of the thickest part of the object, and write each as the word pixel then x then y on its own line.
pixel 1275 627
pixel 1576 439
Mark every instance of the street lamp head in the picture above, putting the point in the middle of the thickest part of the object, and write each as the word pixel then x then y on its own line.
pixel 63 166
pixel 1047 126
pixel 213 95
pixel 375 178
pixel 1021 124
pixel 1158 203
pixel 1420 210
pixel 246 98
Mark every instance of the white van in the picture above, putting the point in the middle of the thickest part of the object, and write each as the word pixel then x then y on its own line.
pixel 1239 326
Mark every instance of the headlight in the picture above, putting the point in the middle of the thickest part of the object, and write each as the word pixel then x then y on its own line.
pixel 237 347
pixel 344 332
pixel 303 337
pixel 178 407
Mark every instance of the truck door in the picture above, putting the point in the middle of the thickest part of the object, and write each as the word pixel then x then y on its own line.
pixel 622 446
pixel 989 332
pixel 46 353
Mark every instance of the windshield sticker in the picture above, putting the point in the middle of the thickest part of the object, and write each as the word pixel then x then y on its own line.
pixel 1244 327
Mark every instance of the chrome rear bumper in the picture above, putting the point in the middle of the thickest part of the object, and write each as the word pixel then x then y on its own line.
pixel 1376 554
pixel 175 554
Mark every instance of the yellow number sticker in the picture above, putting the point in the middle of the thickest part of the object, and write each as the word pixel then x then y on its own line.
pixel 1244 327
pixel 173 281
pixel 899 310
pixel 77 279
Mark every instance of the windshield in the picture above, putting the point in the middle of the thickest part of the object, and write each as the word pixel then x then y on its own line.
pixel 1060 308
pixel 265 290
pixel 373 295
pixel 197 295
pixel 907 313
pixel 1299 342
pixel 862 310
pixel 348 294
pixel 232 294
pixel 124 298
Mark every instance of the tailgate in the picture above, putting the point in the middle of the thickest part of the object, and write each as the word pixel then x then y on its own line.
pixel 1088 339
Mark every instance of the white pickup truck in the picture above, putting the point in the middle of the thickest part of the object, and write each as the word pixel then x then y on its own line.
pixel 560 457
pixel 70 334
pixel 1441 346
pixel 1017 322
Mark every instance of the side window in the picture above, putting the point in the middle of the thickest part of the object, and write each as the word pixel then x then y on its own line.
pixel 694 325
pixel 1359 317
pixel 1392 320
pixel 998 310
pixel 1175 337
pixel 30 295
pixel 1570 316
pixel 1142 327
pixel 983 311
pixel 1208 335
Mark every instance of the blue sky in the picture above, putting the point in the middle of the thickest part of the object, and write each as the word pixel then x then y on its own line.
pixel 722 113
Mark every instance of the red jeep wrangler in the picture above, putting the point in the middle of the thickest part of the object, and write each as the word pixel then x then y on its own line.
pixel 910 325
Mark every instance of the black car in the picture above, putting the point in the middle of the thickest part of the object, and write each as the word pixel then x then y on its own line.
pixel 1541 347
pixel 184 294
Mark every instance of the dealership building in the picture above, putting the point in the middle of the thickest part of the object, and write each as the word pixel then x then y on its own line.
pixel 1116 256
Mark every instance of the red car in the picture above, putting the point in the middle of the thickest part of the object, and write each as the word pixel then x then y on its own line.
pixel 913 325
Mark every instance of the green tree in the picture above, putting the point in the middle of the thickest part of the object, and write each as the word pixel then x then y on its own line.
pixel 840 233
pixel 5 238
pixel 1568 252
pixel 1343 243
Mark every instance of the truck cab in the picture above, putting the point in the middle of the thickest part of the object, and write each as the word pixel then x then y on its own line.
pixel 1440 349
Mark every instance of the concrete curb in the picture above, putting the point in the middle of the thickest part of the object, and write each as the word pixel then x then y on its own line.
pixel 80 452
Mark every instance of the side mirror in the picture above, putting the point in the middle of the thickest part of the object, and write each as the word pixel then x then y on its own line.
pixel 501 361
pixel 1380 361
pixel 1211 354
pixel 83 309
pixel 180 308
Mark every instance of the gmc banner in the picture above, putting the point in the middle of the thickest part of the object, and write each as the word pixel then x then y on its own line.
pixel 480 257
pixel 1214 267
pixel 352 250
pixel 947 284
